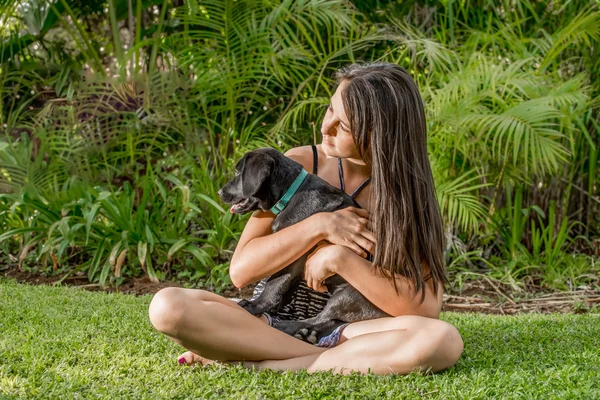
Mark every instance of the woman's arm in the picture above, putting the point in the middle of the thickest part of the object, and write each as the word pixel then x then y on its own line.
pixel 378 289
pixel 261 253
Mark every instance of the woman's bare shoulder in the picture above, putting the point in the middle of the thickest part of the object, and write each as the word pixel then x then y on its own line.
pixel 303 155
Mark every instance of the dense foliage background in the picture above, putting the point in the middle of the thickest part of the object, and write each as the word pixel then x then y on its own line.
pixel 120 120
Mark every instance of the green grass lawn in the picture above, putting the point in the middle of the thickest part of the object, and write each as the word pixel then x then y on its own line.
pixel 58 342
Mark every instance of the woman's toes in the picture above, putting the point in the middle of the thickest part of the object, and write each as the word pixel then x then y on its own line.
pixel 190 358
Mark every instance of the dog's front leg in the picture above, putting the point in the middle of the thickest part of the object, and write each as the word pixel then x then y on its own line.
pixel 272 296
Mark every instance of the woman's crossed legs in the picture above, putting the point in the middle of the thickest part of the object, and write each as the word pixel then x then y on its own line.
pixel 218 329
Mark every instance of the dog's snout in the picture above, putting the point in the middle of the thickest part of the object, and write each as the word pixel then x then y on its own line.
pixel 220 192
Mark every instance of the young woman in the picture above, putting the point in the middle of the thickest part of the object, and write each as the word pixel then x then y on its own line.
pixel 374 147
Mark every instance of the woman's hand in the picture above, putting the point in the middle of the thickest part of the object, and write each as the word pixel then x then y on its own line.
pixel 320 265
pixel 348 227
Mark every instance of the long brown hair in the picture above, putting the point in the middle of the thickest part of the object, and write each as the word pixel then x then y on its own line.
pixel 387 120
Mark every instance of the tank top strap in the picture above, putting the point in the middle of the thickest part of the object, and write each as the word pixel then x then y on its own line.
pixel 361 187
pixel 315 159
pixel 341 174
pixel 358 189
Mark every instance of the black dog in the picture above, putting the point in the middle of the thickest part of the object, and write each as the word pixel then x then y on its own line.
pixel 262 177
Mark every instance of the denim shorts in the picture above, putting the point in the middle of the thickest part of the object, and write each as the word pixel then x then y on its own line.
pixel 330 340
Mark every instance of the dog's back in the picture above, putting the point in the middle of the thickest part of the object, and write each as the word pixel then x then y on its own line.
pixel 313 196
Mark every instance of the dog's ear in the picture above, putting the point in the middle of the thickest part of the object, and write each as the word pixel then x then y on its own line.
pixel 257 167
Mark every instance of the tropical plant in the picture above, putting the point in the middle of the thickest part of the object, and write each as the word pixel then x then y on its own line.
pixel 122 119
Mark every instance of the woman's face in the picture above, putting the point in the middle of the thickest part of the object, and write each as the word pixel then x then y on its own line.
pixel 337 139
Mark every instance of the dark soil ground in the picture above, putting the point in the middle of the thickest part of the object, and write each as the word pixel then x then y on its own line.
pixel 482 296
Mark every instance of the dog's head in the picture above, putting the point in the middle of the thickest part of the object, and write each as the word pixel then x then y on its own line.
pixel 257 181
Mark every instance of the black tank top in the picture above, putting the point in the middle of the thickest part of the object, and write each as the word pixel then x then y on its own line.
pixel 306 302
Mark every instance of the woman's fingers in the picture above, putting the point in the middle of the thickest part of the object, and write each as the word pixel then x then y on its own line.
pixel 308 280
pixel 358 211
pixel 362 212
pixel 370 236
pixel 366 244
pixel 360 252
pixel 364 230
pixel 313 284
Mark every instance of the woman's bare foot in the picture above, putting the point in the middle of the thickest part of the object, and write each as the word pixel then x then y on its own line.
pixel 189 358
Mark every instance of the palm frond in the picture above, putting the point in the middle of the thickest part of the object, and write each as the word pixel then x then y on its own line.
pixel 528 132
pixel 459 202
pixel 583 28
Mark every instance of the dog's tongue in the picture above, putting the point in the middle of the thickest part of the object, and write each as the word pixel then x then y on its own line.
pixel 236 206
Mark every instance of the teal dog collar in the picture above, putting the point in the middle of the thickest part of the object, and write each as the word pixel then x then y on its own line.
pixel 283 202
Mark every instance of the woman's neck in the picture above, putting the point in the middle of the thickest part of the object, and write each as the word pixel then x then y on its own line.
pixel 356 166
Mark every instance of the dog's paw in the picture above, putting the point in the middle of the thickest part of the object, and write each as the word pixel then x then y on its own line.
pixel 243 303
pixel 307 335
pixel 312 337
pixel 251 307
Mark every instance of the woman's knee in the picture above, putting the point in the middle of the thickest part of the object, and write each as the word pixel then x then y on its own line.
pixel 167 310
pixel 445 347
